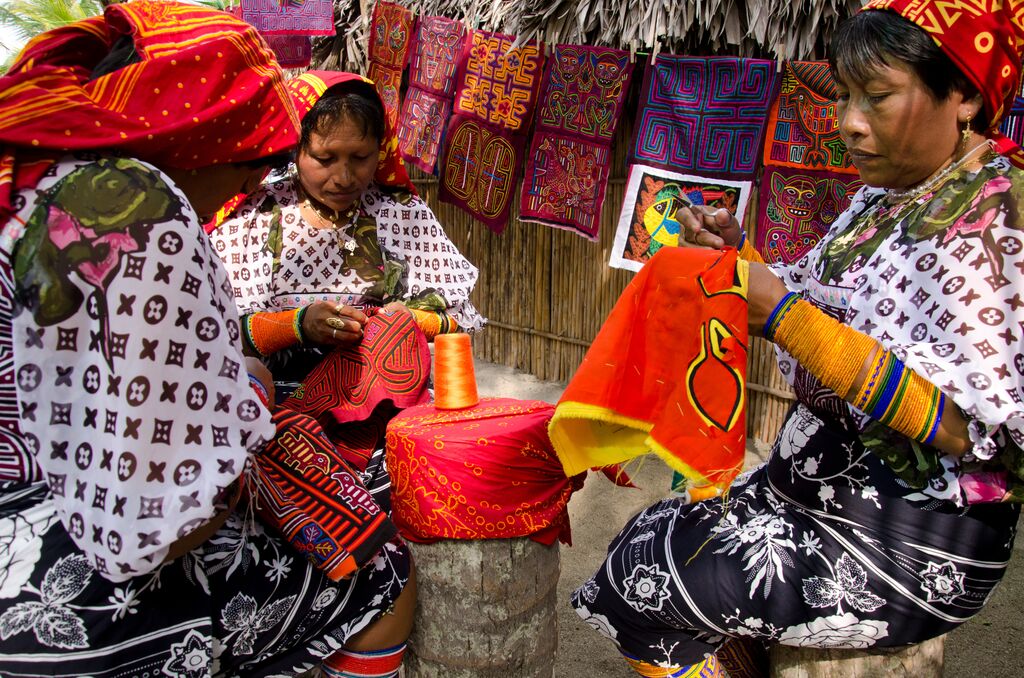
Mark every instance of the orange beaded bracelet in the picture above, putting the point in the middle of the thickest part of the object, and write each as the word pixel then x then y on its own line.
pixel 433 323
pixel 269 332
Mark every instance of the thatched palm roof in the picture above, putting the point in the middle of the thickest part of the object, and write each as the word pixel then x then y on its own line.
pixel 785 29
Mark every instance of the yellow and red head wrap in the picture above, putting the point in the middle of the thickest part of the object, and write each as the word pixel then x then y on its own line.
pixel 984 38
pixel 307 89
pixel 206 91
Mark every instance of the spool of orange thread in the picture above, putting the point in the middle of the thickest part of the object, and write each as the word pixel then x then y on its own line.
pixel 454 376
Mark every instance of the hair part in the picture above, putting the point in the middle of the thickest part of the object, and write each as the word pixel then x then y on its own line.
pixel 874 39
pixel 355 101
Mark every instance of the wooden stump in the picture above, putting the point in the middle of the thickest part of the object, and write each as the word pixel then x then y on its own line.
pixel 917 661
pixel 486 610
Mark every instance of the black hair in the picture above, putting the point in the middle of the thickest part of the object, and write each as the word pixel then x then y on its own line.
pixel 121 54
pixel 355 100
pixel 875 38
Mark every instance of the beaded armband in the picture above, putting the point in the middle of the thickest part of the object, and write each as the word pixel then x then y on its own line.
pixel 747 251
pixel 836 353
pixel 433 323
pixel 270 332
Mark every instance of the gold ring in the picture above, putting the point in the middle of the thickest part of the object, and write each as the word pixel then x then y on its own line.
pixel 336 323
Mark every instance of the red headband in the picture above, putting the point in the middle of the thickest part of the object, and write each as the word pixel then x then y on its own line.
pixel 307 89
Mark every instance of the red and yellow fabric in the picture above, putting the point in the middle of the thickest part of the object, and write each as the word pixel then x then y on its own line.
pixel 307 89
pixel 310 493
pixel 484 472
pixel 666 373
pixel 206 91
pixel 985 40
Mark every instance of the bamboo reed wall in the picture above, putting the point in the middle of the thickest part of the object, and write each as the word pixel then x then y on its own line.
pixel 546 292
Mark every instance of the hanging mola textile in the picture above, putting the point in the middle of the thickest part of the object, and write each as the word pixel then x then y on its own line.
pixel 428 101
pixel 567 168
pixel 697 141
pixel 487 135
pixel 391 31
pixel 809 179
pixel 291 17
pixel 666 373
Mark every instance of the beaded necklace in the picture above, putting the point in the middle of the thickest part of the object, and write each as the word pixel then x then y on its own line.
pixel 893 202
pixel 333 220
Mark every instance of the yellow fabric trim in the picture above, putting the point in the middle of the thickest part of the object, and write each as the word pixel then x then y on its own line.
pixel 576 432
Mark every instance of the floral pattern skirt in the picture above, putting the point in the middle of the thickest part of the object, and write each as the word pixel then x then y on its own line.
pixel 821 547
pixel 242 604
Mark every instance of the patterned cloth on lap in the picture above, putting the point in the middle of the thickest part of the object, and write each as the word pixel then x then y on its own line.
pixel 308 488
pixel 567 168
pixel 666 373
pixel 390 35
pixel 309 17
pixel 484 472
pixel 428 101
pixel 309 493
pixel 487 135
pixel 386 372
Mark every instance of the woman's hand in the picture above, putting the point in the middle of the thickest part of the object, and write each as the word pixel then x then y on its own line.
pixel 709 227
pixel 765 290
pixel 330 325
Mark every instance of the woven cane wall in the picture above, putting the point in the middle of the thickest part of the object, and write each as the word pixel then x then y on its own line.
pixel 546 292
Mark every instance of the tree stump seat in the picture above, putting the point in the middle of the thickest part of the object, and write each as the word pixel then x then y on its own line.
pixel 486 609
pixel 924 660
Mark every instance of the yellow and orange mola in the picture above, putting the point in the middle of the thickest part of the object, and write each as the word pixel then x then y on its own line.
pixel 666 373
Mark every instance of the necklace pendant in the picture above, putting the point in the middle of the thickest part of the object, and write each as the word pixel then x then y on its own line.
pixel 350 245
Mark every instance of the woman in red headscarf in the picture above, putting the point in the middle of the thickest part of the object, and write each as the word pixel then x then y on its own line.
pixel 127 416
pixel 885 515
pixel 339 235
pixel 334 262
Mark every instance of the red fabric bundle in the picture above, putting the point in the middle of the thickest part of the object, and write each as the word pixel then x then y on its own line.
pixel 206 91
pixel 485 472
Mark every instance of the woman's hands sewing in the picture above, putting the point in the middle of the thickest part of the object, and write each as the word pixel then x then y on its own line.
pixel 709 227
pixel 718 228
pixel 331 325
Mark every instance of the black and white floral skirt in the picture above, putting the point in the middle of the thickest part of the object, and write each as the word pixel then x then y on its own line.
pixel 243 604
pixel 822 546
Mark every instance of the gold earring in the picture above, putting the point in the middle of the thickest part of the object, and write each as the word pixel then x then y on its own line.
pixel 965 136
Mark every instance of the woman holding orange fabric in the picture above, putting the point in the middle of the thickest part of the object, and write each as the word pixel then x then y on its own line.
pixel 127 415
pixel 884 516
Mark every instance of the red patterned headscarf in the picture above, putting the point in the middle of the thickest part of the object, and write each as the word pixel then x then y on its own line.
pixel 206 91
pixel 307 89
pixel 985 40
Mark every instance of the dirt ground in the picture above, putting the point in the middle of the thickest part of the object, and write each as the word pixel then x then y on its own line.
pixel 987 645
